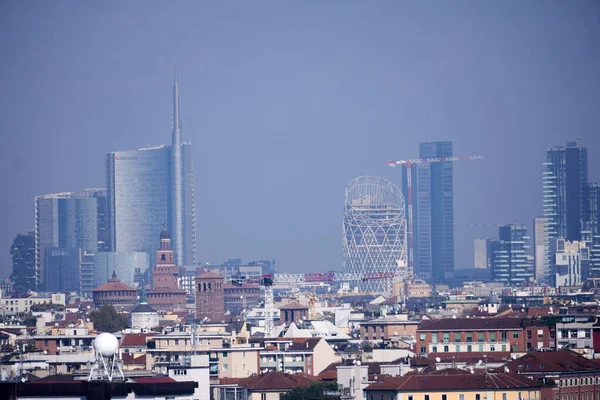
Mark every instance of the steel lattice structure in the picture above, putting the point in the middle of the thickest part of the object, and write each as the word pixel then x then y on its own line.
pixel 374 232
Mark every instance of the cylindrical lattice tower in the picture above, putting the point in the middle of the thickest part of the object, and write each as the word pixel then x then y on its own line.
pixel 374 232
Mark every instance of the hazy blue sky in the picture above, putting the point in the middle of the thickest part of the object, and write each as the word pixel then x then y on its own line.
pixel 285 102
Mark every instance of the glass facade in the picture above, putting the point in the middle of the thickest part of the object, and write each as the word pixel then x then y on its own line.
pixel 565 194
pixel 511 264
pixel 138 201
pixel 65 221
pixel 131 267
pixel 433 214
pixel 62 269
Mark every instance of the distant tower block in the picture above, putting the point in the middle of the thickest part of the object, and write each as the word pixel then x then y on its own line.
pixel 210 299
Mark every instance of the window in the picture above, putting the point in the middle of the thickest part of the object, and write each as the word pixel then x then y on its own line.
pixel 529 334
pixel 492 336
pixel 480 337
pixel 434 349
pixel 477 396
pixel 481 348
pixel 503 335
pixel 457 348
pixel 434 337
pixel 263 396
pixel 446 349
pixel 457 337
pixel 423 350
pixel 492 348
pixel 225 367
pixel 446 337
pixel 422 336
pixel 426 397
pixel 410 397
pixel 469 337
pixel 225 354
pixel 461 397
pixel 469 348
pixel 503 396
pixel 515 335
pixel 176 341
pixel 444 397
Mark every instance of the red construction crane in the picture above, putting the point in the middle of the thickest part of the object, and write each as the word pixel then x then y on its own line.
pixel 409 164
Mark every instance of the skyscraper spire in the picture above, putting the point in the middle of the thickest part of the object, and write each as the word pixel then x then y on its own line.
pixel 175 122
pixel 177 178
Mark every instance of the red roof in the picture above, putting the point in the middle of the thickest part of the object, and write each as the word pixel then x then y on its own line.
pixel 553 362
pixel 209 275
pixel 273 381
pixel 129 359
pixel 466 324
pixel 453 379
pixel 293 306
pixel 135 339
pixel 112 286
pixel 154 379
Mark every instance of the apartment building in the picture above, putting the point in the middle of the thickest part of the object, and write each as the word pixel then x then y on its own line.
pixel 453 384
pixel 482 335
pixel 388 328
pixel 293 356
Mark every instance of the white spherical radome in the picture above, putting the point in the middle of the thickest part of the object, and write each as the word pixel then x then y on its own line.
pixel 107 344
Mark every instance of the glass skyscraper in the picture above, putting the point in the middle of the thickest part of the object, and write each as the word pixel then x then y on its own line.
pixel 138 198
pixel 149 190
pixel 63 221
pixel 433 213
pixel 565 194
pixel 510 260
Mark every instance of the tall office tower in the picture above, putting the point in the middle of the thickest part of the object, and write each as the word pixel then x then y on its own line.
pixel 374 232
pixel 510 261
pixel 149 190
pixel 482 253
pixel 138 198
pixel 565 182
pixel 433 213
pixel 100 195
pixel 540 248
pixel 63 221
pixel 590 235
pixel 594 204
pixel 183 212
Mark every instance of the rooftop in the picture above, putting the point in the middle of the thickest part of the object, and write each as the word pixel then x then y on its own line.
pixel 453 379
pixel 466 324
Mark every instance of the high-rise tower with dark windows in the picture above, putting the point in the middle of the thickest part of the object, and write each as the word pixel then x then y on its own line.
pixel 565 194
pixel 152 189
pixel 433 213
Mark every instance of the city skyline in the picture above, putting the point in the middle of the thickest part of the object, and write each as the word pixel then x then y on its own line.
pixel 263 143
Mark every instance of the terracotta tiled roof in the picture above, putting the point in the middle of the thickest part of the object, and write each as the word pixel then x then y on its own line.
pixel 293 306
pixel 112 286
pixel 553 362
pixel 209 275
pixel 273 381
pixel 129 359
pixel 465 324
pixel 135 339
pixel 471 357
pixel 453 380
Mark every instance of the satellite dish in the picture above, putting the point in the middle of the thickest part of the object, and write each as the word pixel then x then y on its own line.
pixel 45 352
pixel 471 369
pixel 506 369
pixel 479 362
pixel 358 363
pixel 437 359
pixel 454 316
pixel 106 344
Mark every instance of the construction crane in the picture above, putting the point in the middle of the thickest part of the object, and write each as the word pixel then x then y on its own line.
pixel 269 280
pixel 409 164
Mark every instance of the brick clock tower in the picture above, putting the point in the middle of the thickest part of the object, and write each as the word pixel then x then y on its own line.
pixel 165 294
pixel 210 299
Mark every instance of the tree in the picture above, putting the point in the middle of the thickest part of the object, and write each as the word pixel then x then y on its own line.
pixel 23 258
pixel 108 320
pixel 316 391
